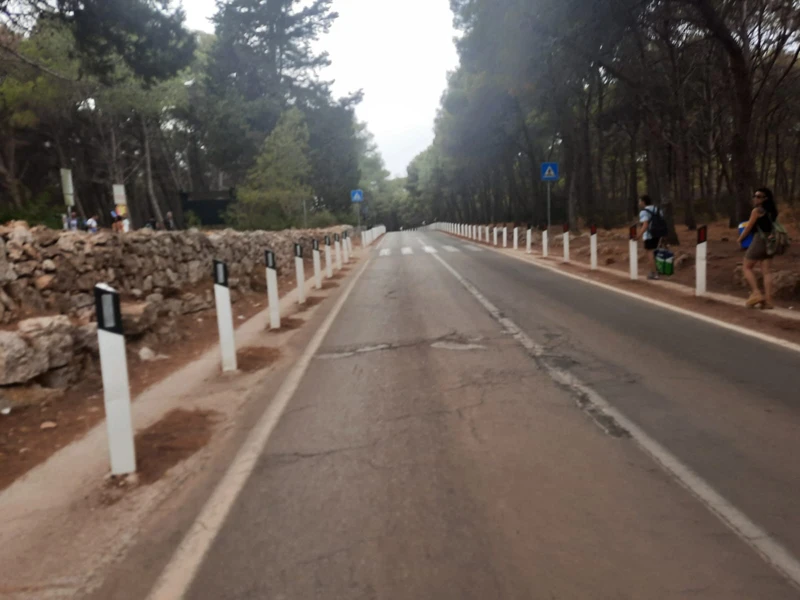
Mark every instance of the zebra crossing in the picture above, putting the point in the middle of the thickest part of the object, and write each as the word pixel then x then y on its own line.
pixel 426 249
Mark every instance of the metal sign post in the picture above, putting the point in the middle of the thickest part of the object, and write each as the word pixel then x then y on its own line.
pixel 549 174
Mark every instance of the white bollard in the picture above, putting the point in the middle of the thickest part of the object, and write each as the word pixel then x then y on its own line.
pixel 116 389
pixel 317 266
pixel 495 236
pixel 345 249
pixel 566 243
pixel 480 233
pixel 505 237
pixel 272 292
pixel 328 261
pixel 634 254
pixel 337 244
pixel 516 238
pixel 593 248
pixel 701 266
pixel 545 243
pixel 222 297
pixel 300 272
pixel 350 245
pixel 487 234
pixel 529 241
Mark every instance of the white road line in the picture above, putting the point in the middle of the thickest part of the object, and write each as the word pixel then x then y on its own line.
pixel 682 311
pixel 179 574
pixel 430 249
pixel 386 252
pixel 407 251
pixel 771 550
pixel 474 249
pixel 451 249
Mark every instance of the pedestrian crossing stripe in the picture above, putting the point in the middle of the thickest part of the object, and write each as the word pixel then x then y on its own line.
pixel 430 250
pixel 451 249
pixel 407 251
pixel 386 252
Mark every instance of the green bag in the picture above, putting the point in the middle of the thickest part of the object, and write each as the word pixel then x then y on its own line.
pixel 778 241
pixel 665 262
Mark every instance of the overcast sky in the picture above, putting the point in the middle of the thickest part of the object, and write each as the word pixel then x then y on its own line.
pixel 398 52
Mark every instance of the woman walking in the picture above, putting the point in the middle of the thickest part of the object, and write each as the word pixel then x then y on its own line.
pixel 761 224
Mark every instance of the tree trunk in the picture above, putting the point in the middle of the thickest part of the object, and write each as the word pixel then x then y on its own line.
pixel 149 172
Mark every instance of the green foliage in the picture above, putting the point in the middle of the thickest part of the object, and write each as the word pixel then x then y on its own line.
pixel 277 185
pixel 44 209
pixel 192 220
pixel 322 219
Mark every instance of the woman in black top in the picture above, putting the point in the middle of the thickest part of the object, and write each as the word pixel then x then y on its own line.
pixel 765 212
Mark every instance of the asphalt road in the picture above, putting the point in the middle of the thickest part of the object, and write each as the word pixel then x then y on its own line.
pixel 426 454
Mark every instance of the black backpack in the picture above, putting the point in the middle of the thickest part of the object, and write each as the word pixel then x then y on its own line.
pixel 658 225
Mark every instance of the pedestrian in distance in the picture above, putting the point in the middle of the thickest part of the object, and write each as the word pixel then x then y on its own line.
pixel 73 221
pixel 763 224
pixel 91 224
pixel 652 229
pixel 169 222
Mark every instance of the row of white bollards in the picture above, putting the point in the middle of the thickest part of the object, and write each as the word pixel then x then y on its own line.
pixel 111 338
pixel 497 234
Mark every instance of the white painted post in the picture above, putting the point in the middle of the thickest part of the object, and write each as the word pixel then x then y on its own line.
pixel 505 237
pixel 634 254
pixel 545 243
pixel 701 262
pixel 487 234
pixel 317 266
pixel 300 271
pixel 328 261
pixel 566 243
pixel 516 238
pixel 272 292
pixel 529 241
pixel 222 297
pixel 337 244
pixel 480 233
pixel 116 389
pixel 363 239
pixel 345 249
pixel 593 247
pixel 495 236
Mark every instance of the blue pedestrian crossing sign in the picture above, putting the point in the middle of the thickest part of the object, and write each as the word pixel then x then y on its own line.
pixel 549 171
pixel 357 196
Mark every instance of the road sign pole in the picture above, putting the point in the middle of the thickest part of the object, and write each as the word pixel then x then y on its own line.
pixel 549 219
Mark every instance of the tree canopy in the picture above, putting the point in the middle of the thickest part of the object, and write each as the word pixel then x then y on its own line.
pixel 691 101
pixel 120 92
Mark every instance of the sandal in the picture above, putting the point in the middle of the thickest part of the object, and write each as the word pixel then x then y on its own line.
pixel 754 300
pixel 766 305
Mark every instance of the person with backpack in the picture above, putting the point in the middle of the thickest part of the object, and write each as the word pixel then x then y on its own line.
pixel 652 229
pixel 770 239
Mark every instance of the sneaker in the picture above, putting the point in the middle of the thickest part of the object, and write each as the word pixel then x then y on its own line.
pixel 653 277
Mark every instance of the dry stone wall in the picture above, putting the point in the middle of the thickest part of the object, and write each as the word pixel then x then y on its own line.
pixel 47 280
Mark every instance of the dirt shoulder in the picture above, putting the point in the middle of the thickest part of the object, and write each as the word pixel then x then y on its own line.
pixel 188 424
